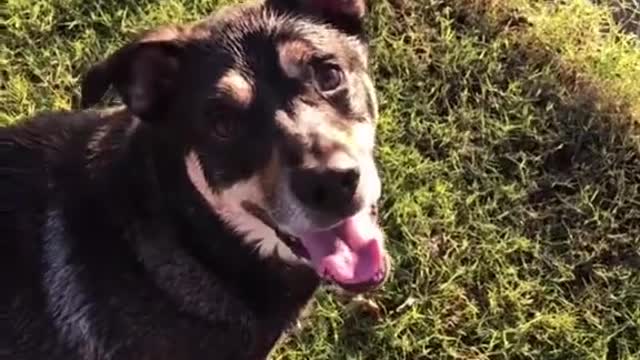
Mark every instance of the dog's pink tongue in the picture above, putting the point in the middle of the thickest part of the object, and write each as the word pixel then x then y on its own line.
pixel 350 253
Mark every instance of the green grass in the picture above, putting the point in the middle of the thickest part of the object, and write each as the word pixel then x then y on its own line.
pixel 508 143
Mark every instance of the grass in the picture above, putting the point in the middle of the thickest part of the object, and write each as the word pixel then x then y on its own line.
pixel 510 155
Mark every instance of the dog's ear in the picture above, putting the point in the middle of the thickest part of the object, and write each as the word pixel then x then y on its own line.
pixel 143 74
pixel 346 15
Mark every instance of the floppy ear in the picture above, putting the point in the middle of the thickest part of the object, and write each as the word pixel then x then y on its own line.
pixel 346 15
pixel 143 74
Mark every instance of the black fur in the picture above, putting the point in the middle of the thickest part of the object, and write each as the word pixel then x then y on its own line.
pixel 106 249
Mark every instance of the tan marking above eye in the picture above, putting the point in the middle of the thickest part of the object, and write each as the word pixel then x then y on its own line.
pixel 292 55
pixel 236 88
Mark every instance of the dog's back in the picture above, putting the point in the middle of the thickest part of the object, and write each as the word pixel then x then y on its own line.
pixel 31 153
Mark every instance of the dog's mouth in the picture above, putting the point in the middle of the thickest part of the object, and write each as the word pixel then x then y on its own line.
pixel 350 254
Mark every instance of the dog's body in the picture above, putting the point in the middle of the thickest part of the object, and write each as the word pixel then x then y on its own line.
pixel 153 231
pixel 75 271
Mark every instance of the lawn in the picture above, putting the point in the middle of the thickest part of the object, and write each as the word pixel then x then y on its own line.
pixel 511 160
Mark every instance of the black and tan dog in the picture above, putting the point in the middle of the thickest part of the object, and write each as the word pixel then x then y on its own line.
pixel 196 221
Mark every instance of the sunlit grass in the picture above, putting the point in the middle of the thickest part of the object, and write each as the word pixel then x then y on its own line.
pixel 511 170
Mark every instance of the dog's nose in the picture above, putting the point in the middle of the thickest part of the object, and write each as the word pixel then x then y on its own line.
pixel 328 190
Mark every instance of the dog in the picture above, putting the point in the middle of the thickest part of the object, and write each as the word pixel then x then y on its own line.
pixel 196 219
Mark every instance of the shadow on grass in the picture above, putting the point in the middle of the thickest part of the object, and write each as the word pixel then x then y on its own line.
pixel 583 202
pixel 587 206
pixel 579 165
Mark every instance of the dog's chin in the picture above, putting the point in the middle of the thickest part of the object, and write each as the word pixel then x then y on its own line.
pixel 348 252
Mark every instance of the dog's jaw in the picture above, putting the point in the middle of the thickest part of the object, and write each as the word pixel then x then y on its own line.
pixel 227 204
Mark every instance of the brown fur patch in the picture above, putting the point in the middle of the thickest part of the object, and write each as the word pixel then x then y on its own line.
pixel 236 88
pixel 292 55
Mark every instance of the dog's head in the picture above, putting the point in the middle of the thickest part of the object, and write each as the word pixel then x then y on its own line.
pixel 275 113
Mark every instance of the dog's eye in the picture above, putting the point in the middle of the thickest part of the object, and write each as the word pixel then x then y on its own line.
pixel 225 129
pixel 224 125
pixel 328 77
